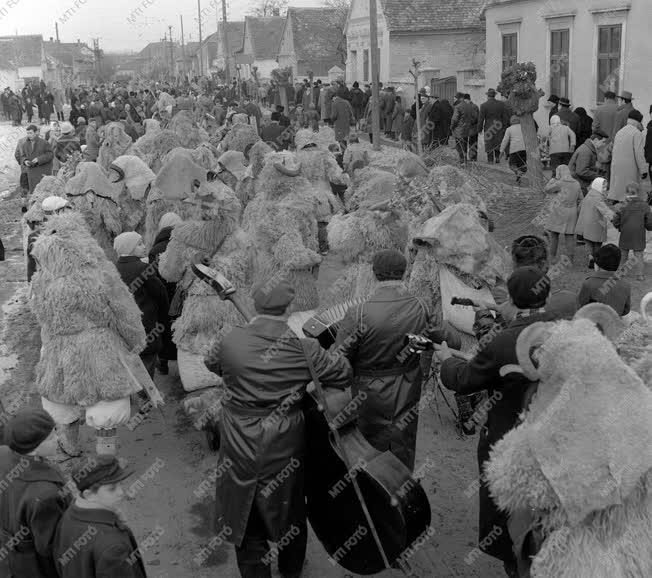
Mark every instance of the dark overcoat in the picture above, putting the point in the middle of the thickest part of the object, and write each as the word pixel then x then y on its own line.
pixel 95 544
pixel 262 430
pixel 371 336
pixel 633 219
pixel 482 373
pixel 32 500
pixel 37 149
pixel 493 122
pixel 342 117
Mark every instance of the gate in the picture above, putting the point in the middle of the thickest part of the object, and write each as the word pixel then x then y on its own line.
pixel 445 88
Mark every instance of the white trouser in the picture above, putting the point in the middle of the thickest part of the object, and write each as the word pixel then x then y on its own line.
pixel 102 415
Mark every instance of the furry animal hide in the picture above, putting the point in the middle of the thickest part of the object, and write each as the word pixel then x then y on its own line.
pixel 369 187
pixel 321 169
pixel 323 139
pixel 134 187
pixel 152 147
pixel 90 323
pixel 592 499
pixel 239 137
pixel 114 144
pixel 49 186
pixel 257 154
pixel 635 347
pixel 91 193
pixel 185 127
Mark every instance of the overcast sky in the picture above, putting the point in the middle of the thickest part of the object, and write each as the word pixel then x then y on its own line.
pixel 121 25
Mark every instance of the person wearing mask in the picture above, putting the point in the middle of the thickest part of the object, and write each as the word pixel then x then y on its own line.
pixel 567 116
pixel 592 219
pixel 493 120
pixel 148 291
pixel 604 119
pixel 52 205
pixel 628 164
pixel 36 155
pixel 111 551
pixel 257 449
pixel 80 131
pixel 624 109
pixel 33 497
pixel 529 290
pixel 371 338
pixel 561 141
pixel 514 142
pixel 582 164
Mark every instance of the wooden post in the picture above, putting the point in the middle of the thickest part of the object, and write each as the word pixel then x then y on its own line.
pixel 225 40
pixel 375 73
pixel 201 58
pixel 183 51
pixel 415 74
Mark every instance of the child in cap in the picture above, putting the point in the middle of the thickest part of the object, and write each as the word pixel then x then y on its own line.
pixel 604 285
pixel 32 496
pixel 109 549
pixel 633 219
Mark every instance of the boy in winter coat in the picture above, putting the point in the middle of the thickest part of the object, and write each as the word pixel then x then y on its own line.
pixel 633 219
pixel 31 500
pixel 110 549
pixel 604 286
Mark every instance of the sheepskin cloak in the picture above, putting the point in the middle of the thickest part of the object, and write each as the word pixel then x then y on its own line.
pixel 90 324
pixel 321 169
pixel 184 126
pixel 115 143
pixel 152 147
pixel 582 459
pixel 91 193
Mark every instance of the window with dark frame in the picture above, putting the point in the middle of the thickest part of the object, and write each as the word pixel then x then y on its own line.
pixel 609 46
pixel 365 64
pixel 559 58
pixel 510 50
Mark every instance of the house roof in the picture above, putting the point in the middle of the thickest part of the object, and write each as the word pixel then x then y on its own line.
pixel 265 34
pixel 64 52
pixel 317 33
pixel 18 51
pixel 427 15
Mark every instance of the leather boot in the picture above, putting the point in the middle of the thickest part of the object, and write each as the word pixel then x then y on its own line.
pixel 68 438
pixel 106 442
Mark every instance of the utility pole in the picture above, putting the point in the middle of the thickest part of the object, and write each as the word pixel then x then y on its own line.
pixel 415 74
pixel 97 52
pixel 201 58
pixel 171 53
pixel 225 40
pixel 56 28
pixel 183 50
pixel 375 73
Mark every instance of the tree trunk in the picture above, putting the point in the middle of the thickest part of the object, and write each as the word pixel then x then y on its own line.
pixel 534 166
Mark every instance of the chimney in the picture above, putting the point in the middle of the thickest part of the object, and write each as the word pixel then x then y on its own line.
pixel 56 27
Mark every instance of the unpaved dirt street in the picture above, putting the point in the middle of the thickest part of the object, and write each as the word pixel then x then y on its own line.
pixel 172 461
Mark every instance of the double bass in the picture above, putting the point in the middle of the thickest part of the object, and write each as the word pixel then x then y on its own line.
pixel 364 506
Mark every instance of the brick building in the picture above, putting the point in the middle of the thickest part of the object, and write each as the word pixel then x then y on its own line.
pixel 446 36
pixel 581 48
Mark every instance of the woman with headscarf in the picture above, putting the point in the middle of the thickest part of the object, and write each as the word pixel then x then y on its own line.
pixel 561 141
pixel 166 225
pixel 561 215
pixel 513 147
pixel 592 220
pixel 584 128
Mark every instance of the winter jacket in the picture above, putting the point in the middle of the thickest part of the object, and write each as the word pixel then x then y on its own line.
pixel 604 119
pixel 259 439
pixel 482 373
pixel 632 220
pixel 110 549
pixel 628 159
pixel 342 117
pixel 150 296
pixel 562 139
pixel 592 220
pixel 561 216
pixel 28 151
pixel 605 287
pixel 463 117
pixel 32 502
pixel 513 140
pixel 493 121
pixel 568 117
pixel 583 164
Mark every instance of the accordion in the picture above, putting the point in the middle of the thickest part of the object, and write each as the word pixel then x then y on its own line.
pixel 324 325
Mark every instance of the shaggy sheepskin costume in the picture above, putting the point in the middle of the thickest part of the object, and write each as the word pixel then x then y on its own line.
pixel 135 178
pixel 114 144
pixel 184 126
pixel 282 219
pixel 91 193
pixel 323 139
pixel 456 242
pixel 49 186
pixel 635 343
pixel 152 147
pixel 581 461
pixel 239 137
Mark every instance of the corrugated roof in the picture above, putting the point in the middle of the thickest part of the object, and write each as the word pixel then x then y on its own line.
pixel 426 15
pixel 21 50
pixel 265 34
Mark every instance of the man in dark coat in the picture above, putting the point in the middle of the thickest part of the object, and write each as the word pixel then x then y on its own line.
pixel 567 116
pixel 493 122
pixel 387 102
pixel 148 291
pixel 92 541
pixel 463 115
pixel 438 122
pixel 32 495
pixel 528 289
pixel 357 101
pixel 624 109
pixel 265 371
pixel 473 129
pixel 583 162
pixel 36 155
pixel 371 336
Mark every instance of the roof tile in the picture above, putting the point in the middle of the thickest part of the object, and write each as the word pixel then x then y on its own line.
pixel 425 15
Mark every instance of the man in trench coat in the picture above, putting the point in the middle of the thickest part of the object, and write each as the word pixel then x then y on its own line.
pixel 342 117
pixel 529 289
pixel 35 154
pixel 493 122
pixel 260 489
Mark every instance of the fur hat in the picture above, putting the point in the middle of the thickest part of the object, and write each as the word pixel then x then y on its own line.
pixel 389 265
pixel 608 257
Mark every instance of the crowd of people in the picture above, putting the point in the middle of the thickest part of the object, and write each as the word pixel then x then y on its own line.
pixel 129 308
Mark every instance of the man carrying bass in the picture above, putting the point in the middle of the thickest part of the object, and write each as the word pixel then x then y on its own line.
pixel 260 493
